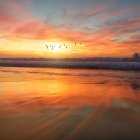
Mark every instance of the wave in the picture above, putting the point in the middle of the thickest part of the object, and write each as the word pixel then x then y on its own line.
pixel 120 65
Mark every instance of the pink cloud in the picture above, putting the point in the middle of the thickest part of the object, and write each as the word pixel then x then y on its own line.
pixel 34 29
pixel 120 12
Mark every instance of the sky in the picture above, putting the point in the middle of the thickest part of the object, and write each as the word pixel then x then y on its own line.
pixel 89 28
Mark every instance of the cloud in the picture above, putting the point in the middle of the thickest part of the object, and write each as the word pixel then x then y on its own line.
pixel 133 40
pixel 124 25
pixel 120 12
pixel 12 15
pixel 86 13
pixel 93 25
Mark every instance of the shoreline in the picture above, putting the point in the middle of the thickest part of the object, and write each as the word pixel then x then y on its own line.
pixel 105 65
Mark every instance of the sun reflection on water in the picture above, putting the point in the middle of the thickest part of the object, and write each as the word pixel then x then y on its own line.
pixel 59 103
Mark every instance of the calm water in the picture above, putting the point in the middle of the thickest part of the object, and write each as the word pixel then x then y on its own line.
pixel 63 104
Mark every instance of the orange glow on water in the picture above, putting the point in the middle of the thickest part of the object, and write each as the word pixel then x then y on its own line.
pixel 47 101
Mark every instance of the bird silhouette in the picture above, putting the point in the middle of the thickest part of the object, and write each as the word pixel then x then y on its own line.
pixel 47 46
pixel 60 46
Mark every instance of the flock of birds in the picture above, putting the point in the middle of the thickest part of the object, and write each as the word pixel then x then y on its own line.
pixel 59 46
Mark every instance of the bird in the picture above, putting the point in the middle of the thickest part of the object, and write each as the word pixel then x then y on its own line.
pixel 46 46
pixel 59 46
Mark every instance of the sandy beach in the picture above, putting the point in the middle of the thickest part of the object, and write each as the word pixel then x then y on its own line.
pixel 69 104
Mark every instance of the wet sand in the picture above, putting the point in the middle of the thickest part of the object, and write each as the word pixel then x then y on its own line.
pixel 64 104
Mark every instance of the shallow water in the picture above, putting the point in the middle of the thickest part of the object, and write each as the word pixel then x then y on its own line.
pixel 66 104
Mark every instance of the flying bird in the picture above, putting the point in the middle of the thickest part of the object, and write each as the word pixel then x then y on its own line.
pixel 47 46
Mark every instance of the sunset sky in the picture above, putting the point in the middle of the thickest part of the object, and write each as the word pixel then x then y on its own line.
pixel 105 28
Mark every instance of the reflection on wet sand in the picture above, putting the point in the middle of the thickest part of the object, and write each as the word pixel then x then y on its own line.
pixel 57 104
